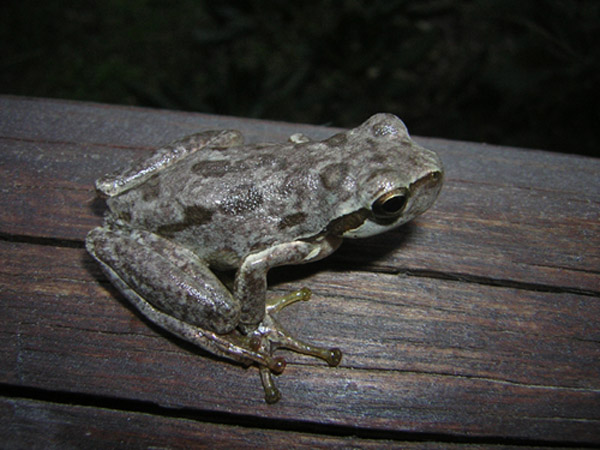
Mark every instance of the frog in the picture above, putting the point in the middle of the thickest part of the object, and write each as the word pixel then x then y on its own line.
pixel 209 204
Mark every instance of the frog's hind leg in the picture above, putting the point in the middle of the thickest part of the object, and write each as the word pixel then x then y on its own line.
pixel 170 286
pixel 167 275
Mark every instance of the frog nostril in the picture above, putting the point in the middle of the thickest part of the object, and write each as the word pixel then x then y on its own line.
pixel 436 176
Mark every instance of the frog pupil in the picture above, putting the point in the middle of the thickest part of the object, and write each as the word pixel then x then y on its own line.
pixel 394 205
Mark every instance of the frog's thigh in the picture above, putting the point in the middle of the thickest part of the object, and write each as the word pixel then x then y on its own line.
pixel 166 275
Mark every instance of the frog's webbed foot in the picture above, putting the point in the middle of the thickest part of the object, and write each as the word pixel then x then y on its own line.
pixel 270 336
pixel 280 338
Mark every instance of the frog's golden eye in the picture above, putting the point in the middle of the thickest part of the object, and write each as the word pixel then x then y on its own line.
pixel 390 205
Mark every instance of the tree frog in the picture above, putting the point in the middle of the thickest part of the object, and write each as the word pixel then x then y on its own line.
pixel 208 204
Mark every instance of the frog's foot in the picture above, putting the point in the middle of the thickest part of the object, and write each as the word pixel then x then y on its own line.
pixel 270 336
pixel 280 338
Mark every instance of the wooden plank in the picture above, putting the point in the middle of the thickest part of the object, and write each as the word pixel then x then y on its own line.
pixel 421 355
pixel 478 322
pixel 505 216
pixel 37 424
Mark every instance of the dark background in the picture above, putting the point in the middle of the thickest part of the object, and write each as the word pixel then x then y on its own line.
pixel 515 72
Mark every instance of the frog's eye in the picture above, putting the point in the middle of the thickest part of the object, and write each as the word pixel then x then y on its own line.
pixel 390 205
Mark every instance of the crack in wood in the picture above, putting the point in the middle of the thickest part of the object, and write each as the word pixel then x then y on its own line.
pixel 75 399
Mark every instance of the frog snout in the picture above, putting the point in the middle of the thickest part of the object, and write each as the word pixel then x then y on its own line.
pixel 433 180
pixel 424 191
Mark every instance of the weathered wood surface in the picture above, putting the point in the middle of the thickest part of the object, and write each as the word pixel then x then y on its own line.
pixel 478 323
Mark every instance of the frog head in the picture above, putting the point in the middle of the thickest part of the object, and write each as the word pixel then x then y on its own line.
pixel 397 179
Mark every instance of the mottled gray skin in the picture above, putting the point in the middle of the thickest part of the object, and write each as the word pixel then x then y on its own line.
pixel 208 202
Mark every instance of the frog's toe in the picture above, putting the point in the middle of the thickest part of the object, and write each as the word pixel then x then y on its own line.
pixel 277 304
pixel 272 394
pixel 261 344
pixel 278 365
pixel 334 357
pixel 274 336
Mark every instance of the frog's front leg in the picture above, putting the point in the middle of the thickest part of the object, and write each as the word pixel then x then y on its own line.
pixel 173 288
pixel 256 317
pixel 250 285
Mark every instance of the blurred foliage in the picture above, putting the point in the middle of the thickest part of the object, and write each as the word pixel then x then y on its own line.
pixel 514 72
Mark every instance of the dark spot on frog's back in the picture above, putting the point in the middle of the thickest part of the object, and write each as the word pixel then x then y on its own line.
pixel 337 139
pixel 378 159
pixel 211 168
pixel 292 220
pixel 193 215
pixel 197 215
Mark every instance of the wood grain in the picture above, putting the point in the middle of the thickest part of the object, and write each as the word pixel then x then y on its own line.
pixel 479 323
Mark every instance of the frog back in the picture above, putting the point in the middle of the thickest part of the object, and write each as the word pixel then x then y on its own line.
pixel 224 204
